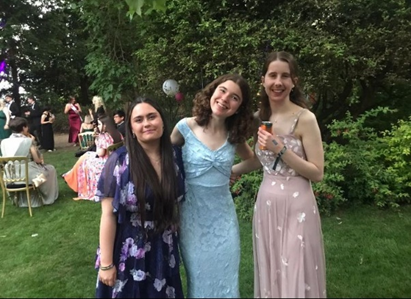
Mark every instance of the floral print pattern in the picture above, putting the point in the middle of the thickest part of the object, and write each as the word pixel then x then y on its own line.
pixel 147 263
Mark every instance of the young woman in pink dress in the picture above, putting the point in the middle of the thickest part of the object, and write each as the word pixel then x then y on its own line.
pixel 288 246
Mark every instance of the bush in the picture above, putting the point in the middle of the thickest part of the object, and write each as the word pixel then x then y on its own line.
pixel 61 124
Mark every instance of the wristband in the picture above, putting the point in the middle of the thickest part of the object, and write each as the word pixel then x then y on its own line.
pixel 279 155
pixel 107 267
pixel 283 150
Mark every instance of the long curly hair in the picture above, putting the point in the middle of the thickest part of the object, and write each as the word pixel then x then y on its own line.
pixel 239 125
pixel 296 95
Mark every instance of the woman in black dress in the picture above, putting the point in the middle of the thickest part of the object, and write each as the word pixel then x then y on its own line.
pixel 47 119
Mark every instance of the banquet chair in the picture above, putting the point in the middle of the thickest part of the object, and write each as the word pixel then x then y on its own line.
pixel 86 139
pixel 14 177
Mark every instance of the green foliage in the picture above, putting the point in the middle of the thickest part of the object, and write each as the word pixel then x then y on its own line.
pixel 135 6
pixel 358 164
pixel 244 191
pixel 44 47
pixel 397 157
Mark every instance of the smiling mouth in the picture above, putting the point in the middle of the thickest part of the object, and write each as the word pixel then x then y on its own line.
pixel 222 106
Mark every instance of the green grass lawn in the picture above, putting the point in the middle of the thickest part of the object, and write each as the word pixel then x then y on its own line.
pixel 368 251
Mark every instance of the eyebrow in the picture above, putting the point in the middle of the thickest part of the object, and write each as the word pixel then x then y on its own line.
pixel 148 115
pixel 232 93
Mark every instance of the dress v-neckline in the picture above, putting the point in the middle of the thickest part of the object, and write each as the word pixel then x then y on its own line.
pixel 205 146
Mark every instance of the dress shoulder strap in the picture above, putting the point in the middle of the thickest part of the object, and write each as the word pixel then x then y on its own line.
pixel 183 127
pixel 297 117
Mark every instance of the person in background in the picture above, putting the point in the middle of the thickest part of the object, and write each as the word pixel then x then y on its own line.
pixel 20 143
pixel 287 238
pixel 73 110
pixel 139 190
pixel 210 237
pixel 87 125
pixel 118 117
pixel 47 138
pixel 99 108
pixel 33 115
pixel 84 175
pixel 12 106
pixel 5 131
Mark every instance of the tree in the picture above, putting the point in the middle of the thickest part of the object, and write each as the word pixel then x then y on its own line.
pixel 44 49
pixel 350 53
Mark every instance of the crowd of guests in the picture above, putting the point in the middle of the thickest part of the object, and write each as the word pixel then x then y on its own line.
pixel 27 130
pixel 166 193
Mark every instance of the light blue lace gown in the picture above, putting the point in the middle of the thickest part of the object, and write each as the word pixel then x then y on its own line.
pixel 209 236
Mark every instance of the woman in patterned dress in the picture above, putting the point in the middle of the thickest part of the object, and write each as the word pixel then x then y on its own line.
pixel 84 175
pixel 139 190
pixel 288 246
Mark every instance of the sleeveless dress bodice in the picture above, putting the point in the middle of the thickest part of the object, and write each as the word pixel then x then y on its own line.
pixel 210 242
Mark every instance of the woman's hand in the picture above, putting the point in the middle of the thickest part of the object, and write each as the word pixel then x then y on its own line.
pixel 108 277
pixel 233 178
pixel 268 141
pixel 6 127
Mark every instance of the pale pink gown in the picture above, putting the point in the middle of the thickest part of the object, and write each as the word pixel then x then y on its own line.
pixel 287 238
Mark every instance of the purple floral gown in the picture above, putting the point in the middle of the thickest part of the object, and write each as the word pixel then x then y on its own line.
pixel 147 264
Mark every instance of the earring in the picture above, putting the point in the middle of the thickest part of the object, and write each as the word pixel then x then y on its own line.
pixel 134 135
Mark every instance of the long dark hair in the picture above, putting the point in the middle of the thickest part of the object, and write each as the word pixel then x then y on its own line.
pixel 111 128
pixel 239 125
pixel 296 95
pixel 143 175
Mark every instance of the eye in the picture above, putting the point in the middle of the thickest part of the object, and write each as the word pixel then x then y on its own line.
pixel 236 98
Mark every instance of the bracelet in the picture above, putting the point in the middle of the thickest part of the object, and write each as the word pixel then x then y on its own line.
pixel 279 155
pixel 283 150
pixel 107 267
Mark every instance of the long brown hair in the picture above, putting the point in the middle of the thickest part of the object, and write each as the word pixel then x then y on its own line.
pixel 239 124
pixel 143 175
pixel 296 95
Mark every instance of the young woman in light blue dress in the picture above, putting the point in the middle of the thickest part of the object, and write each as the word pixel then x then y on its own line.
pixel 209 232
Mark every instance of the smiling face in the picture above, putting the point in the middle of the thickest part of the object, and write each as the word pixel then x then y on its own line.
pixel 226 99
pixel 278 81
pixel 146 123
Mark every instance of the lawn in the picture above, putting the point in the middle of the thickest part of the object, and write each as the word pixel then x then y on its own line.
pixel 368 251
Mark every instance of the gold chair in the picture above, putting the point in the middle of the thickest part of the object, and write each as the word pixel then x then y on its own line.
pixel 14 177
pixel 86 139
pixel 114 146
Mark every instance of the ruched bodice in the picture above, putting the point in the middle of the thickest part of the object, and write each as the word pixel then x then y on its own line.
pixel 209 228
pixel 203 166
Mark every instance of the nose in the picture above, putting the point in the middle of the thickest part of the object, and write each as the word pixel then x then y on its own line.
pixel 277 81
pixel 146 122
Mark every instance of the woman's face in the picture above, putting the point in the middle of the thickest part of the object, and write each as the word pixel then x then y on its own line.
pixel 146 123
pixel 277 81
pixel 226 99
pixel 101 127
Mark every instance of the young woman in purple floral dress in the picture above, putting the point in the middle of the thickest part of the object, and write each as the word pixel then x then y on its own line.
pixel 139 190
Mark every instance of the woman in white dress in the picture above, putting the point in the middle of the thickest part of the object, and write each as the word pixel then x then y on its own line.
pixel 19 144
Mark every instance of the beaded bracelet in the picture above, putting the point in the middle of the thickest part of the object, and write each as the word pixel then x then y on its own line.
pixel 107 267
pixel 279 155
